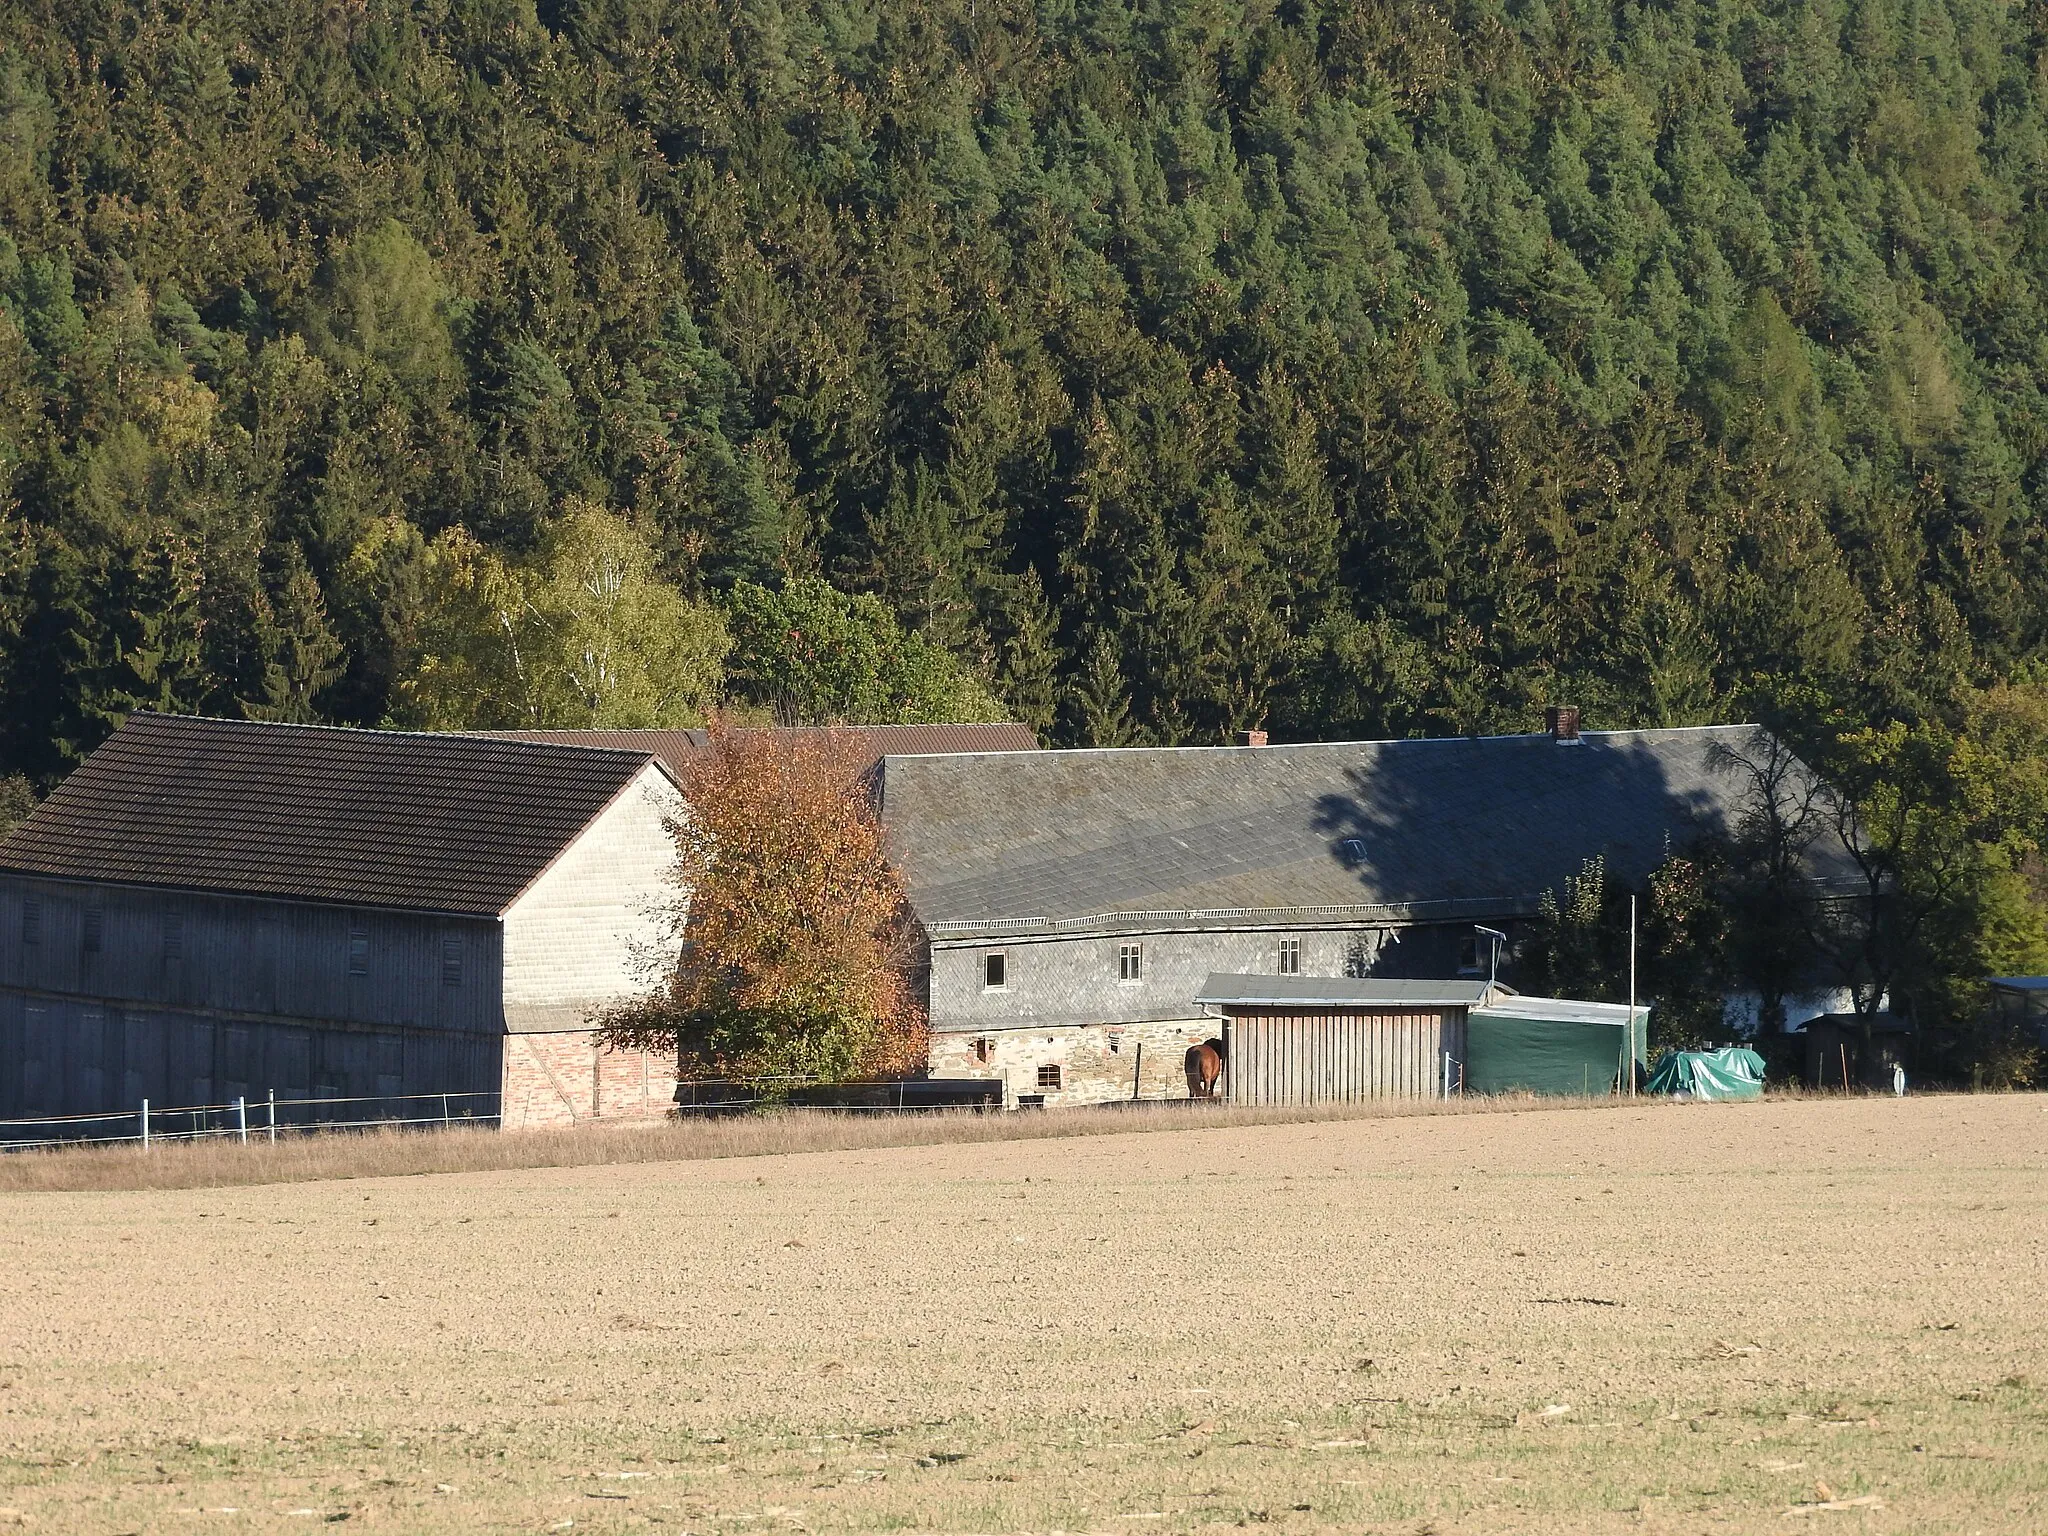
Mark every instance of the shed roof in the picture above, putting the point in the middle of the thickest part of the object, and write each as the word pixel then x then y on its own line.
pixel 1572 1009
pixel 1225 991
pixel 432 822
pixel 676 747
pixel 1460 827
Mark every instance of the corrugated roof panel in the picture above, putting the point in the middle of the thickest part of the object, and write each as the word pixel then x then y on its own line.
pixel 1228 991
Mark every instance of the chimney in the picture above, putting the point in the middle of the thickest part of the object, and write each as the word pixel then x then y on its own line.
pixel 1562 721
pixel 1251 738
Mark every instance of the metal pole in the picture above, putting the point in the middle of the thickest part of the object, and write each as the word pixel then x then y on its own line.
pixel 242 1116
pixel 273 1116
pixel 1628 1050
pixel 444 1109
pixel 145 1125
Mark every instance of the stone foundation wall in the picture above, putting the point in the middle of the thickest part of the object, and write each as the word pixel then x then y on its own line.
pixel 1098 1063
pixel 563 1078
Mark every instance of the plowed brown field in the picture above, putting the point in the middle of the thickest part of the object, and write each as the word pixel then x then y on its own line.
pixel 1791 1316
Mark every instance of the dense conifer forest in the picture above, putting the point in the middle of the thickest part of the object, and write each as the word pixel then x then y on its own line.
pixel 1145 369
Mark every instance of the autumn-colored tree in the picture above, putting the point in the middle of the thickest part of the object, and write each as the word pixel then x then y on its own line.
pixel 789 932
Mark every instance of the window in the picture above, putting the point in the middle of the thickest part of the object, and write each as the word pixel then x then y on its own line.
pixel 983 1049
pixel 1049 1075
pixel 995 970
pixel 358 952
pixel 1130 962
pixel 1469 963
pixel 95 926
pixel 31 919
pixel 174 935
pixel 1290 957
pixel 451 962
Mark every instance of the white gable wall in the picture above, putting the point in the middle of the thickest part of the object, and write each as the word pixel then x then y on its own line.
pixel 573 938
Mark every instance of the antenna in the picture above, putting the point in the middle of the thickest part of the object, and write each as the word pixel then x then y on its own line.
pixel 1499 938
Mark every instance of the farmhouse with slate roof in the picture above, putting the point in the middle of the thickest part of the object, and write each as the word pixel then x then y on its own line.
pixel 209 909
pixel 1075 903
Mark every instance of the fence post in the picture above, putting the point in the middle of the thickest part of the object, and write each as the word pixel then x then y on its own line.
pixel 242 1116
pixel 273 1116
pixel 145 1125
pixel 444 1111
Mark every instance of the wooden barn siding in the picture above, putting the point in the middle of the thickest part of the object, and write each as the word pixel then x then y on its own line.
pixel 1313 1058
pixel 70 1056
pixel 241 955
pixel 256 996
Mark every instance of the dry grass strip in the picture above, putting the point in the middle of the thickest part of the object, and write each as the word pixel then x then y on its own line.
pixel 397 1153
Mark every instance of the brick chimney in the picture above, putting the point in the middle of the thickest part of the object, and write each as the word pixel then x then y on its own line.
pixel 1562 721
pixel 1251 738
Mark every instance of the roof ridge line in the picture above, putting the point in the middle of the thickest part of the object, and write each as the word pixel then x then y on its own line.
pixel 1045 753
pixel 508 737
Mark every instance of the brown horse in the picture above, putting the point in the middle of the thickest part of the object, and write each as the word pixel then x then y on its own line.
pixel 1205 1066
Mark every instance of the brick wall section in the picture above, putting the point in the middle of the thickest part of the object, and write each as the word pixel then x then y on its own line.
pixel 1099 1063
pixel 562 1078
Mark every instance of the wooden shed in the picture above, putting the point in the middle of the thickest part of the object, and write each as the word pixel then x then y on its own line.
pixel 1318 1039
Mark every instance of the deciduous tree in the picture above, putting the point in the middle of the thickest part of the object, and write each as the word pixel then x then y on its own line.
pixel 789 943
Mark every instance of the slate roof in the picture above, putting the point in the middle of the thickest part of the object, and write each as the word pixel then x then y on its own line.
pixel 431 822
pixel 1452 827
pixel 675 748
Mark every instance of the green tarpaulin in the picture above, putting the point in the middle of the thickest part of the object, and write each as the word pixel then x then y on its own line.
pixel 1733 1073
pixel 1525 1052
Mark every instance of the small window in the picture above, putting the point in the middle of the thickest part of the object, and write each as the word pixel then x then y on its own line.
pixel 1290 957
pixel 1468 956
pixel 95 927
pixel 1049 1076
pixel 31 919
pixel 174 935
pixel 995 971
pixel 983 1049
pixel 451 962
pixel 1130 962
pixel 358 952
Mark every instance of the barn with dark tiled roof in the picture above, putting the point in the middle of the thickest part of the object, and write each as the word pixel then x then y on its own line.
pixel 1076 902
pixel 356 922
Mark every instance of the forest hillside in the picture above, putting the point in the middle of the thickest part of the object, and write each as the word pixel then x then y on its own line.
pixel 1146 369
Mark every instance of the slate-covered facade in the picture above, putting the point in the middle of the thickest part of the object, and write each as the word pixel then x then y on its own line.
pixel 212 909
pixel 1074 903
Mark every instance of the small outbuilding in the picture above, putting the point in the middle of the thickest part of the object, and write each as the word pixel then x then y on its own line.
pixel 2022 1001
pixel 1555 1046
pixel 1321 1039
pixel 1313 1040
pixel 1846 1051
